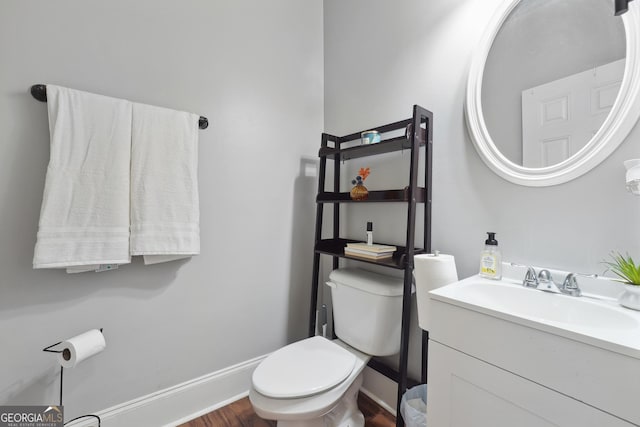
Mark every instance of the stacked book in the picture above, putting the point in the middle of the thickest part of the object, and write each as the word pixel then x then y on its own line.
pixel 372 252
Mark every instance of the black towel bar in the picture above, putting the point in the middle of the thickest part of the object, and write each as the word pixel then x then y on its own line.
pixel 39 92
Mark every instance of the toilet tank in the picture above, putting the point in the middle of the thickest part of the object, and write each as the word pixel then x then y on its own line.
pixel 367 310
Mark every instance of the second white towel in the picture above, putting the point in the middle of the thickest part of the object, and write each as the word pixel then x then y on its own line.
pixel 165 215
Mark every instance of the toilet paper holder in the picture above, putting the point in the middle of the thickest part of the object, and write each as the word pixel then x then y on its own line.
pixel 48 349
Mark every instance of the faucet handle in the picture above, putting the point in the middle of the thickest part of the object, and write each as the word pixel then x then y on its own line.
pixel 530 278
pixel 570 285
pixel 544 276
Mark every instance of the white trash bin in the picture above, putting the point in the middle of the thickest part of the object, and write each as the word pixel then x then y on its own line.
pixel 413 406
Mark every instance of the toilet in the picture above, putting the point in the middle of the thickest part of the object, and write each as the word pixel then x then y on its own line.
pixel 315 382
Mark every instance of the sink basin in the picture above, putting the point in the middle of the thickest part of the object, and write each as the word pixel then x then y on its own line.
pixel 600 322
pixel 545 306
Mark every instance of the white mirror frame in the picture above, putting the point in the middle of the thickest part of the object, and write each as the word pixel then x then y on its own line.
pixel 614 130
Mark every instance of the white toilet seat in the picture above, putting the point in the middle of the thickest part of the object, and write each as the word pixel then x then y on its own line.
pixel 314 405
pixel 303 368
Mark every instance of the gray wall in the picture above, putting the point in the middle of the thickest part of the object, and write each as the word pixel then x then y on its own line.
pixel 254 69
pixel 382 57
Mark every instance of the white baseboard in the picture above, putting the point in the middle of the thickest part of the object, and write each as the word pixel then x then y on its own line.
pixel 183 402
pixel 380 389
pixel 180 403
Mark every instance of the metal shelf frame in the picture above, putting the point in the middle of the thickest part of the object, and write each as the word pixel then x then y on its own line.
pixel 419 132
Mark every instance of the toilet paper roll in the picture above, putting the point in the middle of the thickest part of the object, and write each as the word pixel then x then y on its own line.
pixel 431 272
pixel 81 347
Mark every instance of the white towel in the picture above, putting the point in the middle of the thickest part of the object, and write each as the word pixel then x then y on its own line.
pixel 84 219
pixel 165 216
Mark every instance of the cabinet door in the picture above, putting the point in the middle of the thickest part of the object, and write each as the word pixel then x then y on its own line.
pixel 467 392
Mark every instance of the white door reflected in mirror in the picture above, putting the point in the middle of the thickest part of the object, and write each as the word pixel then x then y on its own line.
pixel 560 117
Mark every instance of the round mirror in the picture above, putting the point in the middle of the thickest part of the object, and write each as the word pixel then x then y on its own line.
pixel 553 88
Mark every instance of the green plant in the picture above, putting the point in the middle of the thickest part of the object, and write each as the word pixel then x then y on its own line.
pixel 624 268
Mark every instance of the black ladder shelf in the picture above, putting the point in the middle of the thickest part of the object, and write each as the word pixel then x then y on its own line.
pixel 338 149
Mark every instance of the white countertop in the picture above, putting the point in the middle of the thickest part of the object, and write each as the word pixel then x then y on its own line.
pixel 594 319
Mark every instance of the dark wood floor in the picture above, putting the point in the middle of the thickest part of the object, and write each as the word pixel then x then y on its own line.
pixel 240 414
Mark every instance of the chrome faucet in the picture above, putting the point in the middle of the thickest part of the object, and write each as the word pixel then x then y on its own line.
pixel 544 282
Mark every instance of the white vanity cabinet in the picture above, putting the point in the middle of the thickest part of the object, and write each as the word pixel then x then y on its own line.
pixel 468 392
pixel 488 369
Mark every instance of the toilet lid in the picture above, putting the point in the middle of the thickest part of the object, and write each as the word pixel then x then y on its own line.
pixel 301 369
